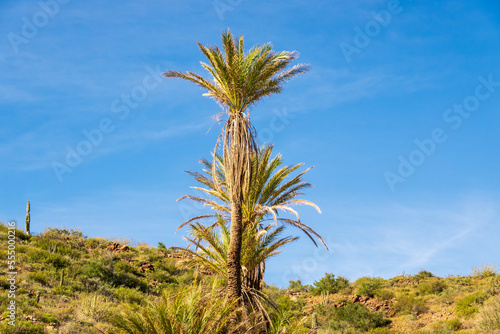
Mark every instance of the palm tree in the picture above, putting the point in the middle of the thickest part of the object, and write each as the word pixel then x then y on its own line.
pixel 238 81
pixel 273 190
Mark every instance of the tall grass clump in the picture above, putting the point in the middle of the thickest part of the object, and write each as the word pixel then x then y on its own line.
pixel 493 286
pixel 489 316
pixel 193 310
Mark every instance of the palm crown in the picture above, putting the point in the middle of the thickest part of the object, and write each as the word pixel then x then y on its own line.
pixel 239 79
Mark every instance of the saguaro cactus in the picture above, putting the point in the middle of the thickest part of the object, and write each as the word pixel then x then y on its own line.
pixel 28 219
pixel 325 297
pixel 314 321
pixel 61 282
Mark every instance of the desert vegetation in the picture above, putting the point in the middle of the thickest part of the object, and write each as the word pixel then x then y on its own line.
pixel 70 283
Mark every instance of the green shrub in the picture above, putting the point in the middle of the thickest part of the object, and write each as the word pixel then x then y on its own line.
pixel 384 294
pixel 62 290
pixel 493 286
pixel 115 275
pixel 72 248
pixel 186 278
pixel 123 266
pixel 431 286
pixel 355 316
pixel 20 235
pixel 142 248
pixel 4 284
pixel 410 304
pixel 329 284
pixel 484 271
pixel 464 281
pixel 454 325
pixel 367 286
pixel 129 295
pixel 36 255
pixel 297 286
pixel 94 269
pixel 56 233
pixel 449 294
pixel 57 261
pixel 437 331
pixel 168 265
pixel 95 243
pixel 380 330
pixel 468 305
pixel 292 306
pixel 41 277
pixel 88 284
pixel 162 277
pixel 21 327
pixel 423 274
pixel 129 280
pixel 48 318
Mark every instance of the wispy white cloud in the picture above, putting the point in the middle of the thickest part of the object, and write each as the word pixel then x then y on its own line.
pixel 36 151
pixel 13 94
pixel 325 88
pixel 386 239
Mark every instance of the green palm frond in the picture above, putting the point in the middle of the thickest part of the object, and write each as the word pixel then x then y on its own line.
pixel 238 80
pixel 191 309
pixel 273 190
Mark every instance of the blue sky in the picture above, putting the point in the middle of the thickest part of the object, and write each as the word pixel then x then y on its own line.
pixel 399 117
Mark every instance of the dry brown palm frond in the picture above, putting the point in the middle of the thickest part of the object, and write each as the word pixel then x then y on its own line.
pixel 272 191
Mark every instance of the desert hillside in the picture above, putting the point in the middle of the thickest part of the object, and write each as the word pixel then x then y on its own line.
pixel 69 283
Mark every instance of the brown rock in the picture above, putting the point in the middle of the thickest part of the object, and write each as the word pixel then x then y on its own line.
pixel 30 318
pixel 117 248
pixel 175 255
pixel 51 326
pixel 146 266
pixel 372 303
pixel 123 248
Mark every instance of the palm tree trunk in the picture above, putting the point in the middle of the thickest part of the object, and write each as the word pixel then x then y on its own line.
pixel 234 251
